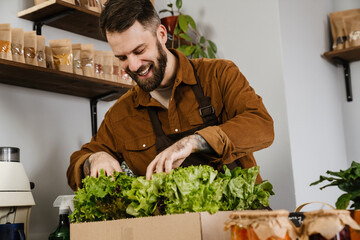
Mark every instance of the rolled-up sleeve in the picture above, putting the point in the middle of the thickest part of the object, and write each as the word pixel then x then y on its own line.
pixel 246 126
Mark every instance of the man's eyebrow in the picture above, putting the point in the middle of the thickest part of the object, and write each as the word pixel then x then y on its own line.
pixel 134 50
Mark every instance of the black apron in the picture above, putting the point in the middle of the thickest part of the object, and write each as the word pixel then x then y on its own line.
pixel 207 113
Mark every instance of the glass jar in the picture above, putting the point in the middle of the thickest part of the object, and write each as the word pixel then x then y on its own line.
pixel 327 225
pixel 261 225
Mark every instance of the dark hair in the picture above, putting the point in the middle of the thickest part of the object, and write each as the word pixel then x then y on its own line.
pixel 119 15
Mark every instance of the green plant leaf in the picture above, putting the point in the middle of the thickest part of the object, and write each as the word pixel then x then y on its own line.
pixel 177 29
pixel 213 46
pixel 183 23
pixel 211 53
pixel 164 10
pixel 178 4
pixel 185 36
pixel 202 40
pixel 196 54
pixel 202 53
pixel 191 21
pixel 186 50
pixel 343 201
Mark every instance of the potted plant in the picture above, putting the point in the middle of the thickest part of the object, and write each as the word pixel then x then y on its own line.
pixel 170 21
pixel 185 36
pixel 348 181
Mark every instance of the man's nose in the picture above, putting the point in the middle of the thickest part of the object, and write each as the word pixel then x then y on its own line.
pixel 134 63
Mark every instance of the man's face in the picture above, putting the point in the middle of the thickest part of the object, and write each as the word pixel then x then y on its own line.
pixel 141 55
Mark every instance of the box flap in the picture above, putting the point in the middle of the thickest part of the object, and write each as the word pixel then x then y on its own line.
pixel 176 227
pixel 213 225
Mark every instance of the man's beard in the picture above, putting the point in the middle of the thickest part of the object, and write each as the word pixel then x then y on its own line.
pixel 151 83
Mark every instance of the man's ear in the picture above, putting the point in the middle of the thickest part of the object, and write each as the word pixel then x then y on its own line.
pixel 162 34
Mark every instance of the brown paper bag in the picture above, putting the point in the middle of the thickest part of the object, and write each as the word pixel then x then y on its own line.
pixel 340 33
pixel 30 47
pixel 94 5
pixel 352 29
pixel 5 41
pixel 87 59
pixel 40 51
pixel 99 64
pixel 108 65
pixel 76 50
pixel 49 58
pixel 116 69
pixel 17 45
pixel 62 54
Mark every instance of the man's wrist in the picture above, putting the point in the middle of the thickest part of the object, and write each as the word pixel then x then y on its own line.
pixel 202 145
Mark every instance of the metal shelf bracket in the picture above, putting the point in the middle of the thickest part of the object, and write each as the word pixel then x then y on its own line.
pixel 38 24
pixel 93 110
pixel 347 75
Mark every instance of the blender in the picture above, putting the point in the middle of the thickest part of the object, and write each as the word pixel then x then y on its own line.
pixel 16 198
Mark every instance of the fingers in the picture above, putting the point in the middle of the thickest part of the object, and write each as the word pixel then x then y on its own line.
pixel 150 169
pixel 105 161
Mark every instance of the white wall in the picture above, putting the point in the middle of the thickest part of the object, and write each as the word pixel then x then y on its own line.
pixel 351 113
pixel 315 97
pixel 47 127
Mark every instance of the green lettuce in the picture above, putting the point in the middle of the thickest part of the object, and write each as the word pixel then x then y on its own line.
pixel 185 189
pixel 102 198
pixel 192 189
pixel 241 192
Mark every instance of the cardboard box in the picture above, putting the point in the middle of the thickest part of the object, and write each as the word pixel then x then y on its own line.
pixel 194 226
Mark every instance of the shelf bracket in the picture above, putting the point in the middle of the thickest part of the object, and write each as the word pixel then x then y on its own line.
pixel 38 24
pixel 347 75
pixel 93 109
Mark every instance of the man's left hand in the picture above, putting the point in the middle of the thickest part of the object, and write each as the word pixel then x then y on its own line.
pixel 173 156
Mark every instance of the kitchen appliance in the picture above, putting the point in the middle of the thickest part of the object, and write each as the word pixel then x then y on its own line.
pixel 16 198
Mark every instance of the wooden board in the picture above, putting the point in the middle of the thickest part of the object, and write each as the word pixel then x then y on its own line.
pixel 25 75
pixel 348 54
pixel 65 16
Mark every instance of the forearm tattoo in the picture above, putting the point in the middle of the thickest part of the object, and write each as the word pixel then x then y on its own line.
pixel 202 145
pixel 86 167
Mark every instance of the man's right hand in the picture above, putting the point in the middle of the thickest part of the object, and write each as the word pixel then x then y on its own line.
pixel 101 160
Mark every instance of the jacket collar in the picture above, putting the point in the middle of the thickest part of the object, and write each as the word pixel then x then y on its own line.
pixel 185 74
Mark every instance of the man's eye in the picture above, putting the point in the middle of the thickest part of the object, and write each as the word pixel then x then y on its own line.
pixel 139 52
pixel 122 58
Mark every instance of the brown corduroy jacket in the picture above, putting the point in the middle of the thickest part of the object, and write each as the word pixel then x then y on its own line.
pixel 126 132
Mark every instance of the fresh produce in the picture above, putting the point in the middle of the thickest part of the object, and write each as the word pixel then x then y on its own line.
pixel 190 189
pixel 348 181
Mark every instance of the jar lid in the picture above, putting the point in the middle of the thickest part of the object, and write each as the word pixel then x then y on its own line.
pixel 259 214
pixel 9 154
pixel 326 213
pixel 264 223
pixel 326 222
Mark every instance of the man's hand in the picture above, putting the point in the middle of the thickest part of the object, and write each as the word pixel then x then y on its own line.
pixel 101 160
pixel 174 156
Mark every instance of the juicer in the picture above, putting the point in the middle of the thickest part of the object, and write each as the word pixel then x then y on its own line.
pixel 16 198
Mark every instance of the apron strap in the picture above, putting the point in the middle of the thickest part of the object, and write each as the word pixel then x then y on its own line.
pixel 162 141
pixel 206 110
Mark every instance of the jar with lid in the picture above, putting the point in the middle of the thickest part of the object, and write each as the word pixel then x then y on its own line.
pixel 261 225
pixel 327 225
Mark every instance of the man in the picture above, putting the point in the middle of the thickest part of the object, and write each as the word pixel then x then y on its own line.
pixel 182 112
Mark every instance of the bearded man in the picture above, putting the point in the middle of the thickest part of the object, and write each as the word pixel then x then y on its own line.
pixel 181 112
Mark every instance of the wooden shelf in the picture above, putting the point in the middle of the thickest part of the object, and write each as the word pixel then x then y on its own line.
pixel 66 16
pixel 29 76
pixel 345 57
pixel 348 55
